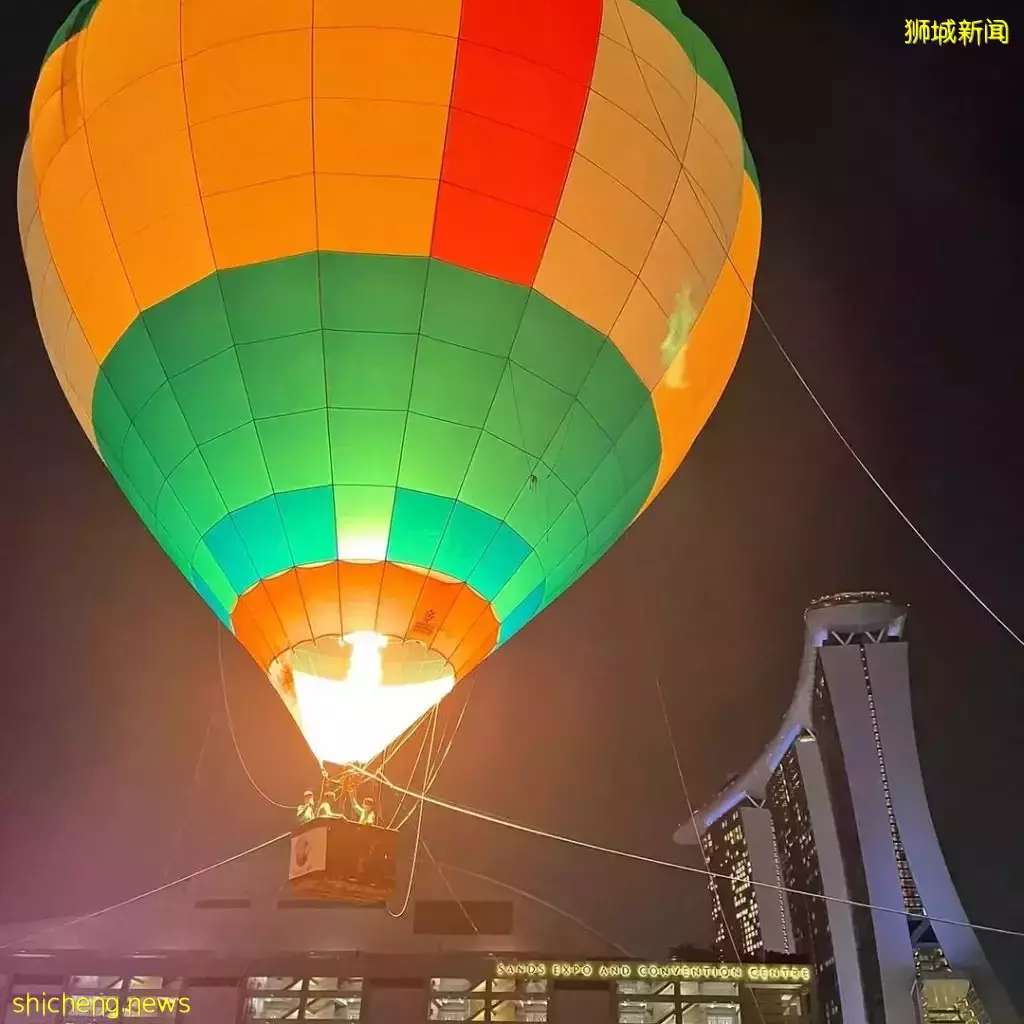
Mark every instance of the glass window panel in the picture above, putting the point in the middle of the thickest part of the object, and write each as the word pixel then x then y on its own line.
pixel 273 1008
pixel 719 988
pixel 653 1012
pixel 450 984
pixel 695 1013
pixel 646 987
pixel 94 981
pixel 456 1008
pixel 335 984
pixel 146 981
pixel 333 1009
pixel 276 984
pixel 722 1014
pixel 531 1011
pixel 503 985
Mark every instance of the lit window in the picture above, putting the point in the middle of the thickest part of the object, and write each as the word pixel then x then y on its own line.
pixel 335 999
pixel 335 984
pixel 96 982
pixel 454 985
pixel 290 998
pixel 501 999
pixel 276 984
pixel 342 1008
pixel 645 987
pixel 720 1015
pixel 273 1008
pixel 648 1013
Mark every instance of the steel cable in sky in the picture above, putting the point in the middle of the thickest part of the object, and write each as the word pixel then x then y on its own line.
pixel 675 866
pixel 644 859
pixel 879 486
pixel 49 929
pixel 533 897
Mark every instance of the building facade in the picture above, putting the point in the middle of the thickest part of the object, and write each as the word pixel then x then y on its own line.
pixel 751 920
pixel 231 948
pixel 841 786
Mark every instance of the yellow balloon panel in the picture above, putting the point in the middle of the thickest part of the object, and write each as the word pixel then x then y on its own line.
pixel 684 398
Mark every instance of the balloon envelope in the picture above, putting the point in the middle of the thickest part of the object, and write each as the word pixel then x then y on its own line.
pixel 387 317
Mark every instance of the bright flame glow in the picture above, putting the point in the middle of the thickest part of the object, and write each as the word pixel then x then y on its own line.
pixel 351 720
pixel 367 546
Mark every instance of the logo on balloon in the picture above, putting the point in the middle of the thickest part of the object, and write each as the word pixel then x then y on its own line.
pixel 673 348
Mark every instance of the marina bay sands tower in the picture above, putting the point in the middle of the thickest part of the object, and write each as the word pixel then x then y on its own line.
pixel 835 806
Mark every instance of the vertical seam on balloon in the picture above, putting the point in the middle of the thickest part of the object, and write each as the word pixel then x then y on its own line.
pixel 234 344
pixel 725 246
pixel 681 157
pixel 637 281
pixel 234 347
pixel 323 328
pixel 522 314
pixel 37 184
pixel 419 330
pixel 117 252
pixel 728 264
pixel 606 340
pixel 694 186
pixel 540 461
pixel 51 265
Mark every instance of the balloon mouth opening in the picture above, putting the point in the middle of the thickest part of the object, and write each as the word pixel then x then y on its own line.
pixel 352 695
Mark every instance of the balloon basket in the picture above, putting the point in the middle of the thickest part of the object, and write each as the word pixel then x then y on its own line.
pixel 340 860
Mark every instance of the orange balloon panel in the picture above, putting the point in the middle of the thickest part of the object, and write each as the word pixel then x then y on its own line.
pixel 302 604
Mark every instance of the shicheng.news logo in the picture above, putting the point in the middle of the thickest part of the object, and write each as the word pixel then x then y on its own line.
pixel 95 1007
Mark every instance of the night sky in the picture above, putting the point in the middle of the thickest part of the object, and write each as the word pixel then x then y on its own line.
pixel 891 269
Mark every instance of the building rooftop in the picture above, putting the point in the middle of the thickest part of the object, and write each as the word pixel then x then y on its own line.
pixel 862 611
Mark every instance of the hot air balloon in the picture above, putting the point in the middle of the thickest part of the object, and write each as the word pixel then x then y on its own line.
pixel 387 316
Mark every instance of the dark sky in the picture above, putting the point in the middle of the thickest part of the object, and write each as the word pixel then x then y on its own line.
pixel 891 268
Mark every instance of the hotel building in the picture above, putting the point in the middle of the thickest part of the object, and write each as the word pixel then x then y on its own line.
pixel 835 806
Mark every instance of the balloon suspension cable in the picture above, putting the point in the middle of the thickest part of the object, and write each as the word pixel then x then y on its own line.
pixel 412 771
pixel 443 756
pixel 451 739
pixel 231 725
pixel 419 830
